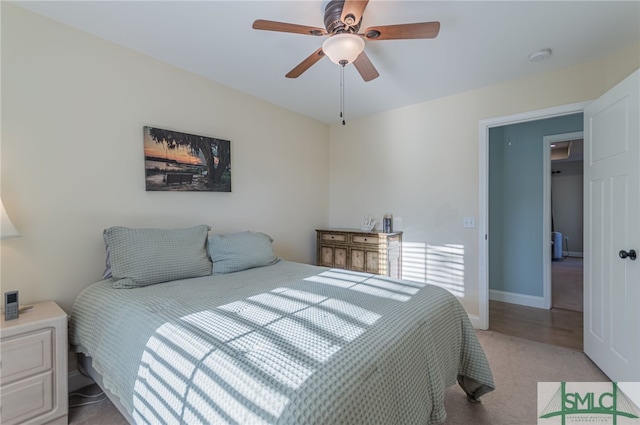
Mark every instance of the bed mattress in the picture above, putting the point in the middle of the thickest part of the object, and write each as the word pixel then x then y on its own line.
pixel 283 344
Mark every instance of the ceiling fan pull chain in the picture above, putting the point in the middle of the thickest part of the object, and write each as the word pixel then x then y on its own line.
pixel 342 63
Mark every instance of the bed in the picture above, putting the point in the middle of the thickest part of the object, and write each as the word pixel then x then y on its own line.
pixel 279 343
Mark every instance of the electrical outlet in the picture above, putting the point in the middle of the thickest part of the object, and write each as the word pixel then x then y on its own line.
pixel 468 222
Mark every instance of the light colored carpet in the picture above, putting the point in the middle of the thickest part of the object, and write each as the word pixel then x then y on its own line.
pixel 517 365
pixel 101 413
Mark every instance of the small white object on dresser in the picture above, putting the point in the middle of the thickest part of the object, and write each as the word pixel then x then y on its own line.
pixel 33 367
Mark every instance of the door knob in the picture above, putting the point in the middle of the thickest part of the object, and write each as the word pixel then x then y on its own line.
pixel 631 254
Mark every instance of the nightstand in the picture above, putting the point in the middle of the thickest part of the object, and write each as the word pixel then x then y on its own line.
pixel 33 367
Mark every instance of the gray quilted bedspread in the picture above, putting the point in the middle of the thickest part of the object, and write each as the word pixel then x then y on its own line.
pixel 283 344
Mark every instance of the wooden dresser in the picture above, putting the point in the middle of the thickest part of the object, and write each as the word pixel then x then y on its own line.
pixel 351 249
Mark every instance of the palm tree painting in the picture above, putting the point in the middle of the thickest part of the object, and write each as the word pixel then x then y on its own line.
pixel 177 162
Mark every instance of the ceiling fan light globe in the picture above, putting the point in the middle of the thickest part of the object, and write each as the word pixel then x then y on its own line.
pixel 343 47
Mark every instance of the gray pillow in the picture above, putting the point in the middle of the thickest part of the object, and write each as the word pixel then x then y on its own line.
pixel 240 251
pixel 140 257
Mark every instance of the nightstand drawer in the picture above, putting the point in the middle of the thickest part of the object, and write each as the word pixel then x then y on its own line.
pixel 333 237
pixel 26 355
pixel 25 399
pixel 365 239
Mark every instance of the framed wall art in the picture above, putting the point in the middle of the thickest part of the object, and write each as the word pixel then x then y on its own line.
pixel 179 162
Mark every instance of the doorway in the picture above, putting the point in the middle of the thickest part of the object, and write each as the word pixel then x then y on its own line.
pixel 543 247
pixel 521 220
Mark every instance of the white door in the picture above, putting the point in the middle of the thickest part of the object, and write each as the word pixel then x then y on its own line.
pixel 612 231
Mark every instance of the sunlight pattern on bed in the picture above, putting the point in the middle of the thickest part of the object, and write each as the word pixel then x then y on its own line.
pixel 284 344
pixel 375 285
pixel 243 378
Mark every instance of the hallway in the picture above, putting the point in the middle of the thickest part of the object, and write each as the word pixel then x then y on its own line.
pixel 562 325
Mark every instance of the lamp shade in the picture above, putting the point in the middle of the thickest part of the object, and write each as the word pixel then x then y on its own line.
pixel 343 47
pixel 7 229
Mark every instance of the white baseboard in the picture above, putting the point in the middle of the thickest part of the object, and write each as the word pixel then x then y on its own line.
pixel 572 254
pixel 78 380
pixel 475 321
pixel 513 298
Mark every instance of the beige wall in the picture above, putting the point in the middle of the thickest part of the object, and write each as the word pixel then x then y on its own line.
pixel 73 107
pixel 72 164
pixel 421 163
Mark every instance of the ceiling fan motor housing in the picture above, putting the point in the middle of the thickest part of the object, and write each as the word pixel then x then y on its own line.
pixel 332 19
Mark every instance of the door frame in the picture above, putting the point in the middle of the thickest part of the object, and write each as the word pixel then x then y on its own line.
pixel 483 219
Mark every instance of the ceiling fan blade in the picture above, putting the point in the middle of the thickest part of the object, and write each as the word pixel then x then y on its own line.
pixel 364 66
pixel 261 24
pixel 352 11
pixel 403 31
pixel 306 64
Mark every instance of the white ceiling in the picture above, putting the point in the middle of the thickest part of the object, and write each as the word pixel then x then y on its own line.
pixel 480 43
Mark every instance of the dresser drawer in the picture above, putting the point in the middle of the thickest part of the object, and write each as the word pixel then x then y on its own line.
pixel 26 399
pixel 359 250
pixel 26 355
pixel 365 239
pixel 333 237
pixel 393 240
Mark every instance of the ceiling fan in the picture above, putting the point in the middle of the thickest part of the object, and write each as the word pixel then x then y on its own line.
pixel 342 19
